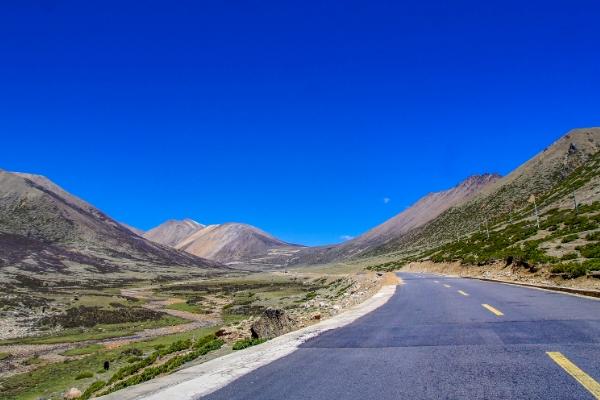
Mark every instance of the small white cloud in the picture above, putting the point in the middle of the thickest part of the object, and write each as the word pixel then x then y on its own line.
pixel 346 237
pixel 386 200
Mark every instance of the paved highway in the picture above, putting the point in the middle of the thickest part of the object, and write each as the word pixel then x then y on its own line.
pixel 445 338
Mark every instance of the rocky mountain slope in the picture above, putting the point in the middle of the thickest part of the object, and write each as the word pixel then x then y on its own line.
pixel 133 229
pixel 423 211
pixel 502 218
pixel 233 243
pixel 172 232
pixel 45 230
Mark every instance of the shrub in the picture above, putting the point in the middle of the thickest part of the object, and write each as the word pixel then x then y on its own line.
pixel 134 351
pixel 94 387
pixel 569 238
pixel 593 236
pixel 572 270
pixel 176 346
pixel 244 343
pixel 590 250
pixel 310 295
pixel 84 375
pixel 569 256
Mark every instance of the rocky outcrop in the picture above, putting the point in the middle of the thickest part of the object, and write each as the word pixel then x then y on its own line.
pixel 273 323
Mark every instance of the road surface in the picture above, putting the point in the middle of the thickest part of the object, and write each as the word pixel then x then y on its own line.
pixel 445 338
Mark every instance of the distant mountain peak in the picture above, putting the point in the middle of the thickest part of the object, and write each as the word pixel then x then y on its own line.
pixel 173 231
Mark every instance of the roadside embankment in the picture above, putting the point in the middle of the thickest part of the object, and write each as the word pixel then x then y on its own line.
pixel 500 272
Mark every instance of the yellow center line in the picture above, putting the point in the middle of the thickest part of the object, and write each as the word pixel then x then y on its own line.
pixel 492 310
pixel 447 285
pixel 586 381
pixel 463 293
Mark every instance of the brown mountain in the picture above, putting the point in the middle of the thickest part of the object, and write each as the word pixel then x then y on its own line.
pixel 234 242
pixel 423 211
pixel 46 230
pixel 173 231
pixel 538 176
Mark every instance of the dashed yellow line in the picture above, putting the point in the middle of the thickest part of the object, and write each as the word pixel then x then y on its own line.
pixel 492 310
pixel 463 293
pixel 447 285
pixel 584 379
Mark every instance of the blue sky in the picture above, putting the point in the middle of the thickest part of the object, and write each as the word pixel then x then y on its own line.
pixel 297 117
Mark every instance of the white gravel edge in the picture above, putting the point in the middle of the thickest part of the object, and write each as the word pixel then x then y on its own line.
pixel 199 380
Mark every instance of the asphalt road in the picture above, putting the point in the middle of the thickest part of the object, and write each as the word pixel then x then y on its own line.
pixel 432 342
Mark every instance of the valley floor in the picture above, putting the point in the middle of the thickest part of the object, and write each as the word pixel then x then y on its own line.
pixel 50 362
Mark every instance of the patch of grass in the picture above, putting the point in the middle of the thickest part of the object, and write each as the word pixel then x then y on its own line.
pixel 245 343
pixel 150 372
pixel 84 375
pixel 569 238
pixel 98 332
pixel 573 270
pixel 50 381
pixel 93 388
pixel 594 236
pixel 590 250
pixel 192 308
pixel 310 296
pixel 84 316
pixel 569 256
pixel 80 351
pixel 33 360
pixel 4 356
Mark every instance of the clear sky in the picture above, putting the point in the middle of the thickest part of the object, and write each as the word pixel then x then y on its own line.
pixel 297 117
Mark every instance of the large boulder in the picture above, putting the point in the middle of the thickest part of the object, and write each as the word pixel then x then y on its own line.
pixel 73 393
pixel 273 322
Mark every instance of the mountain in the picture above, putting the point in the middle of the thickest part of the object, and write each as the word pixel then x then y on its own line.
pixel 543 176
pixel 423 211
pixel 45 230
pixel 173 231
pixel 234 242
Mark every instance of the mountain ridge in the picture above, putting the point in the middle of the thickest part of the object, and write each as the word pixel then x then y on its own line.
pixel 46 229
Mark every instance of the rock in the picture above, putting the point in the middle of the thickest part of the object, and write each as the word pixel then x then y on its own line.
pixel 337 307
pixel 73 393
pixel 273 322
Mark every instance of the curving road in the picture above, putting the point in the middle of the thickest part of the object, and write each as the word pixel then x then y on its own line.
pixel 445 338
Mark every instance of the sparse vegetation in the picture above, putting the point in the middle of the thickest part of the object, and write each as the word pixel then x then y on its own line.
pixel 245 343
pixel 84 375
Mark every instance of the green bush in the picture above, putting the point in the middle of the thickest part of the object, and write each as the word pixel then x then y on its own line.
pixel 569 256
pixel 245 343
pixel 569 238
pixel 94 387
pixel 84 375
pixel 310 295
pixel 592 265
pixel 572 270
pixel 176 346
pixel 595 236
pixel 590 250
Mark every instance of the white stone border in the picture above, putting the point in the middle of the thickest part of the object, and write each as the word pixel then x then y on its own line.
pixel 199 380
